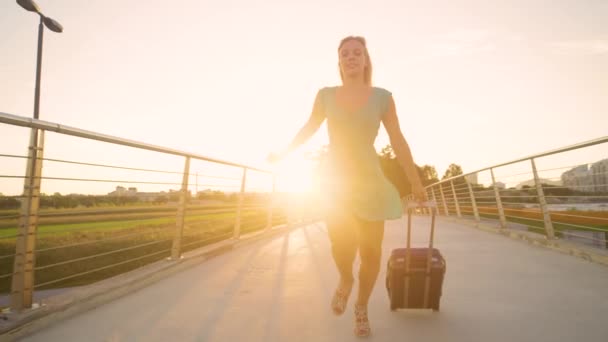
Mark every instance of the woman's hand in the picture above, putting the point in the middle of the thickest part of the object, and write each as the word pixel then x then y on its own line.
pixel 312 125
pixel 418 192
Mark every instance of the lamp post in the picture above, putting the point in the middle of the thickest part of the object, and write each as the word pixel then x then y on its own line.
pixel 52 25
pixel 22 285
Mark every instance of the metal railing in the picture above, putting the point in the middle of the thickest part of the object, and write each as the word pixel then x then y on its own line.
pixel 63 248
pixel 572 206
pixel 45 252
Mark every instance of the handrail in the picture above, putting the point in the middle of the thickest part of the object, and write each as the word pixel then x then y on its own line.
pixel 597 141
pixel 553 225
pixel 77 132
pixel 189 226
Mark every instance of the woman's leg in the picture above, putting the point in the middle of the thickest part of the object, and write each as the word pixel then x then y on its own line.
pixel 371 234
pixel 343 237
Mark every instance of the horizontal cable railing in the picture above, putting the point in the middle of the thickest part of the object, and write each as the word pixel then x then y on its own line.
pixel 55 281
pixel 574 206
pixel 124 229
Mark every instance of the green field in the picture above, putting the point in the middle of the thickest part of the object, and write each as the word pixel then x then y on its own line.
pixel 8 218
pixel 79 247
pixel 113 223
pixel 572 220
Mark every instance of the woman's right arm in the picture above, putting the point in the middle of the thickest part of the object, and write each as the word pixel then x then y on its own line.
pixel 317 116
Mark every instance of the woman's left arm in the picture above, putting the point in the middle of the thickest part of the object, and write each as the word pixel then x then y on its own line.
pixel 402 150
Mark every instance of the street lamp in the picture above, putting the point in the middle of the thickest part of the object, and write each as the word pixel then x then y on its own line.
pixel 52 25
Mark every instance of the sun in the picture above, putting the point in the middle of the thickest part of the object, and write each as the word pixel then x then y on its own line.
pixel 294 174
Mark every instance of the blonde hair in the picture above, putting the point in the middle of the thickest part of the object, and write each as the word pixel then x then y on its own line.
pixel 367 71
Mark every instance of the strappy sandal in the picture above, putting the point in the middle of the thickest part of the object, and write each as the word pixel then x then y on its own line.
pixel 338 302
pixel 362 328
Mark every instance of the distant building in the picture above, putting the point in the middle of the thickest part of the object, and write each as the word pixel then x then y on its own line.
pixel 121 191
pixel 500 185
pixel 472 178
pixel 577 178
pixel 599 176
pixel 587 178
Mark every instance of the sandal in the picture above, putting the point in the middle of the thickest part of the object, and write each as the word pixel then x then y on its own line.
pixel 338 302
pixel 362 328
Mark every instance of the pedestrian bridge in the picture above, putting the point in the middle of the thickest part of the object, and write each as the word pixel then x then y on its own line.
pixel 523 263
pixel 279 289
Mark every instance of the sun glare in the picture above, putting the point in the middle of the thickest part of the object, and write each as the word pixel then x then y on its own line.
pixel 294 174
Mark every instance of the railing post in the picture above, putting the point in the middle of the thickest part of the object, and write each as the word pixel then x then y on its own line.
pixel 445 206
pixel 426 210
pixel 435 200
pixel 455 199
pixel 237 224
pixel 22 287
pixel 501 211
pixel 271 203
pixel 181 210
pixel 472 195
pixel 543 203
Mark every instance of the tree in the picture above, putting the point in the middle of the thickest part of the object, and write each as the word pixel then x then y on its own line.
pixel 387 152
pixel 428 175
pixel 218 195
pixel 7 202
pixel 396 175
pixel 162 199
pixel 452 171
pixel 393 171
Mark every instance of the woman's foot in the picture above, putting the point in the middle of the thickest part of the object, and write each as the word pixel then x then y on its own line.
pixel 340 299
pixel 362 328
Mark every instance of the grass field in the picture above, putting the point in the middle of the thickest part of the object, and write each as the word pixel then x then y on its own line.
pixel 109 223
pixel 570 220
pixel 9 218
pixel 81 246
pixel 74 249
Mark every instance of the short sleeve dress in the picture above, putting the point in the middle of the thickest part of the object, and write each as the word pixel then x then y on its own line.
pixel 352 178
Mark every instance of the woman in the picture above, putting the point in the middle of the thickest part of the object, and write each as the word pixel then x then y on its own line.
pixel 359 197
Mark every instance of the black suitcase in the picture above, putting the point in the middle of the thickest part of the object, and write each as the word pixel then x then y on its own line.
pixel 414 276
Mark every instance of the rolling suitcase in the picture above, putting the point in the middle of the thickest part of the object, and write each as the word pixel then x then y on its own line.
pixel 414 276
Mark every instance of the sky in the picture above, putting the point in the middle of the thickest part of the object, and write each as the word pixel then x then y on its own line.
pixel 476 83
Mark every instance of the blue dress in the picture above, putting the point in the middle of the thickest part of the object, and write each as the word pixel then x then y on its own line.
pixel 352 176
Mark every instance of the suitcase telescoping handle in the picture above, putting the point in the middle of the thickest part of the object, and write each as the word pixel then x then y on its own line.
pixel 420 205
pixel 427 283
